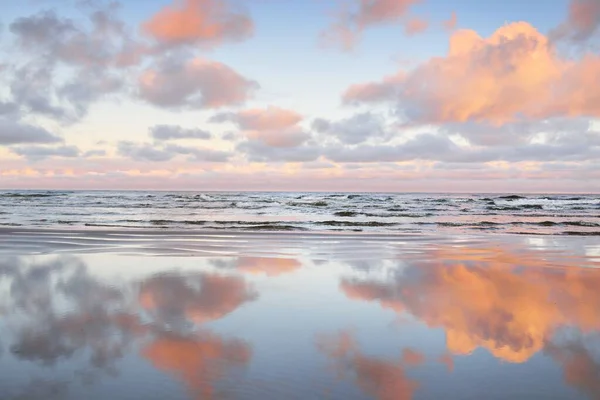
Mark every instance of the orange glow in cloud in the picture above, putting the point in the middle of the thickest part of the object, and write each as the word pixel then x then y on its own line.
pixel 274 126
pixel 381 379
pixel 198 361
pixel 415 25
pixel 198 82
pixel 198 298
pixel 580 368
pixel 412 357
pixel 268 118
pixel 483 301
pixel 362 14
pixel 268 266
pixel 452 22
pixel 448 361
pixel 583 20
pixel 198 21
pixel 515 73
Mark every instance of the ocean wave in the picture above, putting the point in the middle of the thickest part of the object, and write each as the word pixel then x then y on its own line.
pixel 312 204
pixel 30 196
pixel 357 223
pixel 346 214
pixel 273 227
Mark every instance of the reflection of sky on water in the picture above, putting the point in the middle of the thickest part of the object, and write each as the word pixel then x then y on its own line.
pixel 464 319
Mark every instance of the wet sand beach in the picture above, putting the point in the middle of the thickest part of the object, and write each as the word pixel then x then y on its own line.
pixel 132 314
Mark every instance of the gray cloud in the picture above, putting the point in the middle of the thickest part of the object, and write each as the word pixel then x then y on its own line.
pixel 105 44
pixel 149 152
pixel 194 83
pixel 8 108
pixel 557 129
pixel 68 66
pixel 94 153
pixel 440 148
pixel 16 133
pixel 423 147
pixel 143 152
pixel 258 151
pixel 582 22
pixel 37 153
pixel 355 129
pixel 168 132
pixel 200 154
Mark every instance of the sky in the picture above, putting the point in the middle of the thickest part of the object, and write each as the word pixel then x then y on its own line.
pixel 301 95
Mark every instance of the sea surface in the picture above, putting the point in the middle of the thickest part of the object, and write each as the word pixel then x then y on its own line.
pixel 96 314
pixel 370 212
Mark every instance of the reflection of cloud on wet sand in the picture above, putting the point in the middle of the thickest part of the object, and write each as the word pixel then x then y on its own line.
pixel 268 266
pixel 58 310
pixel 382 379
pixel 198 361
pixel 489 301
pixel 200 297
pixel 581 369
pixel 447 360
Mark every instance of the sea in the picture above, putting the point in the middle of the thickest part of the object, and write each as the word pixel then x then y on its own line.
pixel 532 214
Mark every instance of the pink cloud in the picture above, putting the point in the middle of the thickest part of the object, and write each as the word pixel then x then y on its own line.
pixel 582 21
pixel 362 14
pixel 197 83
pixel 513 74
pixel 452 22
pixel 415 25
pixel 268 118
pixel 274 126
pixel 207 22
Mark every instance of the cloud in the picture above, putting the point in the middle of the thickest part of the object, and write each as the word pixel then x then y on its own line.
pixel 8 108
pixel 149 152
pixel 514 74
pixel 17 133
pixel 94 153
pixel 200 154
pixel 273 126
pixel 261 119
pixel 415 25
pixel 451 23
pixel 422 147
pixel 69 66
pixel 280 139
pixel 196 83
pixel 555 131
pixel 36 153
pixel 582 22
pixel 105 44
pixel 198 22
pixel 355 129
pixel 168 132
pixel 143 152
pixel 359 15
pixel 259 151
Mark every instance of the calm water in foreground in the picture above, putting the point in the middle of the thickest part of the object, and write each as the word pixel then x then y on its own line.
pixel 102 315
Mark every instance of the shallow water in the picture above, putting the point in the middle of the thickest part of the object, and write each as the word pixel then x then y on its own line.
pixel 260 316
pixel 369 212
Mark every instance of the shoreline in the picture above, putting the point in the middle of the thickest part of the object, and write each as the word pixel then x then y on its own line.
pixel 344 245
